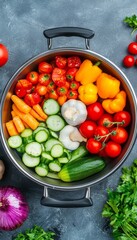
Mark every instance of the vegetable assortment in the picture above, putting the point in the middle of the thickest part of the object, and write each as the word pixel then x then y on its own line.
pixel 64 105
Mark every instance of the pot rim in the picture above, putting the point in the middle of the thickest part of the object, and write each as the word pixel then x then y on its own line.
pixel 66 50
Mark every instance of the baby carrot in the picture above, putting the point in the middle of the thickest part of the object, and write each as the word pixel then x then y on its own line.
pixel 20 104
pixel 13 114
pixel 11 128
pixel 18 112
pixel 31 121
pixel 37 116
pixel 18 124
pixel 40 111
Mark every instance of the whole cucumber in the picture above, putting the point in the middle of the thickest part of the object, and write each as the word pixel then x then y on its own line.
pixel 81 168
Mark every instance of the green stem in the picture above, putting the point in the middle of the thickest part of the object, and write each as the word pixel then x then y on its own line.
pixel 97 63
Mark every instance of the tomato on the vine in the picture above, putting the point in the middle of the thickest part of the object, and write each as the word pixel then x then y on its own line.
pixel 72 94
pixel 113 149
pixel 119 135
pixel 95 111
pixel 101 133
pixel 33 77
pixel 4 55
pixel 124 117
pixel 41 89
pixel 132 48
pixel 45 67
pixel 93 146
pixel 44 79
pixel 87 128
pixel 60 61
pixel 128 61
pixel 106 120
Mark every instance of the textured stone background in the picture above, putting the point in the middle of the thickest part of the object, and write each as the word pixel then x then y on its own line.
pixel 21 30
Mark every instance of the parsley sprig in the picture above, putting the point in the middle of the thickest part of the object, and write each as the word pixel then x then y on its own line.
pixel 131 22
pixel 121 206
pixel 35 233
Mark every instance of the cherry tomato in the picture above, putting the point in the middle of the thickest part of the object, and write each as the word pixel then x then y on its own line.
pixel 119 135
pixel 3 55
pixel 74 85
pixel 113 149
pixel 71 72
pixel 93 146
pixel 128 61
pixel 32 99
pixel 32 77
pixel 53 94
pixel 132 48
pixel 101 133
pixel 74 62
pixel 23 87
pixel 45 67
pixel 20 91
pixel 61 62
pixel 124 117
pixel 72 94
pixel 44 79
pixel 62 90
pixel 87 129
pixel 51 86
pixel 59 77
pixel 41 89
pixel 105 120
pixel 95 111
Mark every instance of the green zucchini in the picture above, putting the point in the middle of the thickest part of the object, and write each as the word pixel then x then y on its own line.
pixel 81 168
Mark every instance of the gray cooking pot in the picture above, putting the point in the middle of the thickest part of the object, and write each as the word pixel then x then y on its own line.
pixel 108 67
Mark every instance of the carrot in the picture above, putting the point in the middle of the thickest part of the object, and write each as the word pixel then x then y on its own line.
pixel 40 111
pixel 13 114
pixel 62 99
pixel 11 128
pixel 18 124
pixel 37 116
pixel 20 104
pixel 18 112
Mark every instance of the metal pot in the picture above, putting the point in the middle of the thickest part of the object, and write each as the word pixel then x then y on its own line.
pixel 108 67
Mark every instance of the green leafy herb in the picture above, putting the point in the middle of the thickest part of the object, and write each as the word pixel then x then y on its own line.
pixel 121 206
pixel 36 233
pixel 131 22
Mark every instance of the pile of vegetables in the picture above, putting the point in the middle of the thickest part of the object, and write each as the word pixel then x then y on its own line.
pixel 121 205
pixel 63 106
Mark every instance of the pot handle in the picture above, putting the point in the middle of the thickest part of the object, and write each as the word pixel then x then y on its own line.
pixel 86 201
pixel 69 32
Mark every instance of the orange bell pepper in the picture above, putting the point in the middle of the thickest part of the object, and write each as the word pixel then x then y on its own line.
pixel 88 93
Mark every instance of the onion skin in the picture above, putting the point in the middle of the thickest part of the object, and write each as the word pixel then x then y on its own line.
pixel 13 208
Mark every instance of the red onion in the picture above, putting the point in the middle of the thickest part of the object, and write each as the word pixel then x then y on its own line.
pixel 13 208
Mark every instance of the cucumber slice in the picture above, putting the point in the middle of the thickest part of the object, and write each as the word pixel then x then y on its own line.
pixel 42 124
pixel 15 141
pixel 50 143
pixel 40 128
pixel 53 134
pixel 33 149
pixel 63 160
pixel 30 161
pixel 21 149
pixel 26 133
pixel 51 107
pixel 55 166
pixel 53 175
pixel 55 123
pixel 57 151
pixel 41 170
pixel 47 156
pixel 41 136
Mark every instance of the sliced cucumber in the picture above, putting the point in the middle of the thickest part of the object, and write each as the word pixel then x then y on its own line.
pixel 46 155
pixel 15 141
pixel 55 123
pixel 50 143
pixel 51 107
pixel 40 128
pixel 33 149
pixel 63 160
pixel 30 161
pixel 55 166
pixel 21 149
pixel 26 133
pixel 53 134
pixel 53 175
pixel 41 136
pixel 41 170
pixel 42 124
pixel 57 151
pixel 68 153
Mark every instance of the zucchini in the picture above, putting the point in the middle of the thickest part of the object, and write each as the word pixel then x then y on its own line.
pixel 79 153
pixel 81 168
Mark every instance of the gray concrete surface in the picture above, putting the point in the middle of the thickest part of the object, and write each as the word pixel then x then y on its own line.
pixel 21 30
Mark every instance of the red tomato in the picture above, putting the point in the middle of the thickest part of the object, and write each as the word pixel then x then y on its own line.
pixel 67 85
pixel 74 62
pixel 23 87
pixel 44 79
pixel 93 146
pixel 32 77
pixel 41 89
pixel 132 48
pixel 87 129
pixel 32 99
pixel 53 94
pixel 71 72
pixel 105 120
pixel 124 117
pixel 58 76
pixel 62 90
pixel 51 86
pixel 3 55
pixel 113 149
pixel 20 91
pixel 101 133
pixel 74 85
pixel 61 62
pixel 95 111
pixel 45 67
pixel 128 61
pixel 119 135
pixel 72 94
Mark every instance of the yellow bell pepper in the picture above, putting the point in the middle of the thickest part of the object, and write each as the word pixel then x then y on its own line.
pixel 88 73
pixel 108 86
pixel 88 93
pixel 115 105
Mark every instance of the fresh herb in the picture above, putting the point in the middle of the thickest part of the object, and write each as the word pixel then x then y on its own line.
pixel 131 22
pixel 121 206
pixel 35 233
